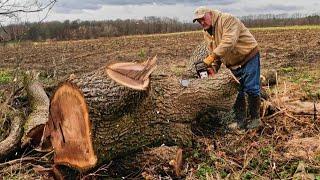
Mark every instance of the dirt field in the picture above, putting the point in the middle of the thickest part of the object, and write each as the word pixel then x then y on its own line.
pixel 279 48
pixel 293 53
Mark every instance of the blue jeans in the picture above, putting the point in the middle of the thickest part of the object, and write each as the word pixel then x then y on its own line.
pixel 249 77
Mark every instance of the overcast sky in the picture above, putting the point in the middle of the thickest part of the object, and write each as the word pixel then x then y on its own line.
pixel 181 9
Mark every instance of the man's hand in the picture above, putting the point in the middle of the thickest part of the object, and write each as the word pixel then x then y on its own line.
pixel 209 60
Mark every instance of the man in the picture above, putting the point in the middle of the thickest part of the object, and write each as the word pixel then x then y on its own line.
pixel 231 43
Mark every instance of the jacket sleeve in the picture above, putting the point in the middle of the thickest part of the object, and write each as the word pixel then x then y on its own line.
pixel 231 31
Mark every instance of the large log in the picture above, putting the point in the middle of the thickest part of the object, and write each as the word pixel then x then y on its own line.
pixel 124 120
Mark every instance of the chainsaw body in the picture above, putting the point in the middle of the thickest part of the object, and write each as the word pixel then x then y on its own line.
pixel 203 70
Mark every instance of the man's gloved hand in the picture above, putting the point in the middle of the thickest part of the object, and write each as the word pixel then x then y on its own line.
pixel 210 59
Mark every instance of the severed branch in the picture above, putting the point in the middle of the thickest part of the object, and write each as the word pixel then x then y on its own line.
pixel 15 161
pixel 33 128
pixel 11 143
pixel 39 101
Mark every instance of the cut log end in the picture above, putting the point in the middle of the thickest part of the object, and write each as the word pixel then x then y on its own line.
pixel 69 129
pixel 132 75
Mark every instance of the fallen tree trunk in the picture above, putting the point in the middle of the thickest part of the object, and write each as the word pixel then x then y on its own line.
pixel 12 141
pixel 27 132
pixel 39 102
pixel 124 120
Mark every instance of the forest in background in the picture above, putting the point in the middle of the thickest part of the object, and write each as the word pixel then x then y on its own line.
pixel 75 30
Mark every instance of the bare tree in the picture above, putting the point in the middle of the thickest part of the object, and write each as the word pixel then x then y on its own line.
pixel 13 9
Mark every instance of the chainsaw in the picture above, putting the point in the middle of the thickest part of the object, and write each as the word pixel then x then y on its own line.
pixel 203 70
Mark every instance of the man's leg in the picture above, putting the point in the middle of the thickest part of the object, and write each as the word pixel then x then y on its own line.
pixel 254 112
pixel 239 107
pixel 240 110
pixel 251 86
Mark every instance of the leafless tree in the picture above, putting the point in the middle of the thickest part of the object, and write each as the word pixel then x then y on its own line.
pixel 14 8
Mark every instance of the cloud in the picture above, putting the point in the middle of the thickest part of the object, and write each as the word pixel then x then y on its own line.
pixel 70 6
pixel 171 2
pixel 181 9
pixel 274 8
pixel 67 6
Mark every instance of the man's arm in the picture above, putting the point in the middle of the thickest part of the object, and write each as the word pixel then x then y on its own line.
pixel 230 36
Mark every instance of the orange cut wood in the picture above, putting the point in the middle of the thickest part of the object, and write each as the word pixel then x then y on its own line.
pixel 132 75
pixel 69 128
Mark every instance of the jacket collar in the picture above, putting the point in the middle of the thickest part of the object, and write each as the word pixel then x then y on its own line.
pixel 215 15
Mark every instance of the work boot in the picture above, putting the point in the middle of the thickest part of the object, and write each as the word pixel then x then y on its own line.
pixel 239 109
pixel 254 112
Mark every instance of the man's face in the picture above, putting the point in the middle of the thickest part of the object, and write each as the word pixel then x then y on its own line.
pixel 206 21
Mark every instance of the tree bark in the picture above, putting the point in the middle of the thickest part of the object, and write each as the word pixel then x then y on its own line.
pixel 25 132
pixel 12 142
pixel 38 117
pixel 125 120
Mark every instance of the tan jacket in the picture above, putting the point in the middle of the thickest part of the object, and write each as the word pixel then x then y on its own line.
pixel 231 40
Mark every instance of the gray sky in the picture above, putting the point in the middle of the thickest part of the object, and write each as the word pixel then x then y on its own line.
pixel 181 9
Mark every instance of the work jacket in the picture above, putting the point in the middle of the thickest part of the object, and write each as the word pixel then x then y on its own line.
pixel 230 39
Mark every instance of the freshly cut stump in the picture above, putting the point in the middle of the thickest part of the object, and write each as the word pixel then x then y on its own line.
pixel 69 129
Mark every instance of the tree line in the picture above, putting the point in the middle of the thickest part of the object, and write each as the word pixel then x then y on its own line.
pixel 73 30
pixel 272 20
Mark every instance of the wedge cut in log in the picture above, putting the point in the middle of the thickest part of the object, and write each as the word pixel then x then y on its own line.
pixel 69 129
pixel 132 75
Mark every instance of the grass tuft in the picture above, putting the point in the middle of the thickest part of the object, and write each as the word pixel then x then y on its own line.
pixel 5 77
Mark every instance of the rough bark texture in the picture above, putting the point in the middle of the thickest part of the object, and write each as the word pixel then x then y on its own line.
pixel 124 120
pixel 200 53
pixel 11 143
pixel 30 131
pixel 38 117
